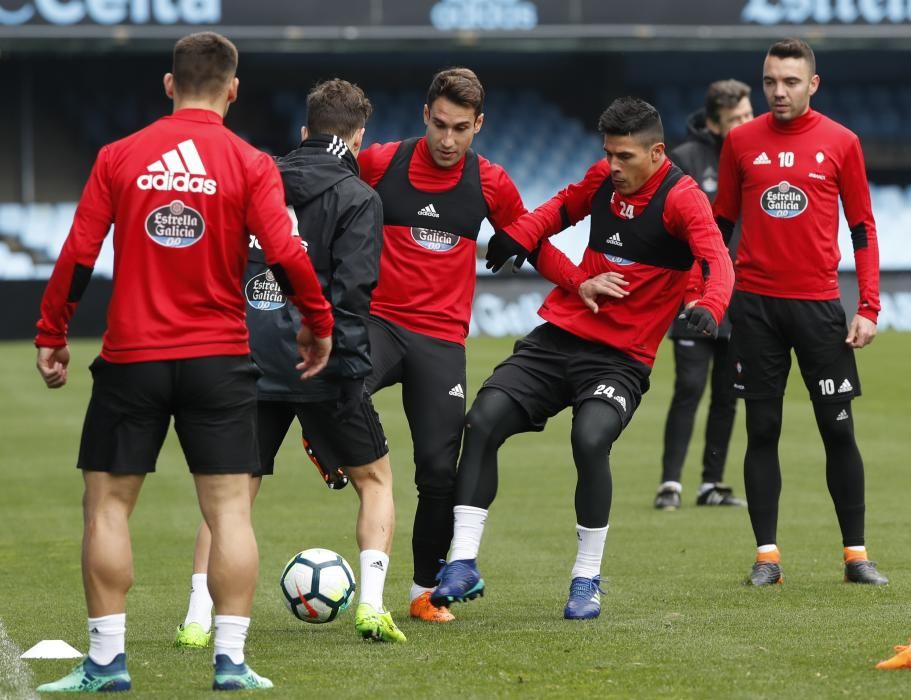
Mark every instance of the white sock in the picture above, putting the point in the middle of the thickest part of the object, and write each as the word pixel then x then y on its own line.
pixel 230 635
pixel 417 591
pixel 467 532
pixel 671 485
pixel 591 549
pixel 766 548
pixel 856 548
pixel 705 486
pixel 107 635
pixel 200 608
pixel 374 565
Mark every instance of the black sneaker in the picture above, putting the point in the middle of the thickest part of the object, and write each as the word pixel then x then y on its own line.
pixel 765 573
pixel 668 498
pixel 719 495
pixel 864 571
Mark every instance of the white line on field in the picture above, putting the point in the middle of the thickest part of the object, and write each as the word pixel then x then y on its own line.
pixel 16 682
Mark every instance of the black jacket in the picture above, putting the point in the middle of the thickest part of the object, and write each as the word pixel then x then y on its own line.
pixel 698 157
pixel 340 220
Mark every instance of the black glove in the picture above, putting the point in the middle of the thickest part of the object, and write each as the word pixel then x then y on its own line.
pixel 500 248
pixel 700 319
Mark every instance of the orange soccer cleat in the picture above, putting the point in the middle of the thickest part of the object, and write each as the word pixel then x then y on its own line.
pixel 902 659
pixel 423 609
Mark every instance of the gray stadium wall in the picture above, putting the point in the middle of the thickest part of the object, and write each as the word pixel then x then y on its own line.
pixel 504 306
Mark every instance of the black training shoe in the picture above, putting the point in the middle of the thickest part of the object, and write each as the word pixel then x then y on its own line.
pixel 765 573
pixel 864 571
pixel 668 498
pixel 719 495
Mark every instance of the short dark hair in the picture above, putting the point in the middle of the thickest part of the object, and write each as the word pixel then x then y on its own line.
pixel 337 107
pixel 203 63
pixel 632 116
pixel 724 94
pixel 459 85
pixel 794 48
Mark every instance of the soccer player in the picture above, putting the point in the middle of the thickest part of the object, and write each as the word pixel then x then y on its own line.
pixel 650 222
pixel 436 191
pixel 340 220
pixel 181 194
pixel 783 173
pixel 727 104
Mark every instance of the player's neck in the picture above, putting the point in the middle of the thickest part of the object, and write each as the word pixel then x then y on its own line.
pixel 219 107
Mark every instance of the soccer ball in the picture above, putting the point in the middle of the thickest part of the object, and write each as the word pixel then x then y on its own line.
pixel 317 584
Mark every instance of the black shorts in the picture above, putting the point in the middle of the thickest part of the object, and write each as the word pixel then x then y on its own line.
pixel 212 399
pixel 432 374
pixel 350 438
pixel 765 330
pixel 551 369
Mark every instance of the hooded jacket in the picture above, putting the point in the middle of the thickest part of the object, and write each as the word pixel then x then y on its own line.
pixel 340 221
pixel 698 157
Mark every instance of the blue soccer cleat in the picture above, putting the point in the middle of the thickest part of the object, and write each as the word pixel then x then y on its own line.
pixel 458 581
pixel 232 676
pixel 89 677
pixel 584 602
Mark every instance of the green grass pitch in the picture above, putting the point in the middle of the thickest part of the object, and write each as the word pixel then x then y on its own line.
pixel 676 621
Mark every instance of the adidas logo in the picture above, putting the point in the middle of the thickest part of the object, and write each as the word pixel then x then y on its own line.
pixel 762 159
pixel 620 400
pixel 845 387
pixel 842 416
pixel 338 148
pixel 179 170
pixel 457 391
pixel 377 565
pixel 429 210
pixel 615 240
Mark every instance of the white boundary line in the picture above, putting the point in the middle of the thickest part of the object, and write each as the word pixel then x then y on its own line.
pixel 15 675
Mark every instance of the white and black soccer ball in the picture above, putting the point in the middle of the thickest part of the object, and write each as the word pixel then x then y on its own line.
pixel 317 584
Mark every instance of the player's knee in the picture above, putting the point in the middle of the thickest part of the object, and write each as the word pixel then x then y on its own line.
pixel 688 386
pixel 376 474
pixel 763 423
pixel 435 474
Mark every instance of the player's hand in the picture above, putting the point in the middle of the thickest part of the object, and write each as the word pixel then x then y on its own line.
pixel 700 319
pixel 609 284
pixel 861 332
pixel 314 352
pixel 52 364
pixel 500 248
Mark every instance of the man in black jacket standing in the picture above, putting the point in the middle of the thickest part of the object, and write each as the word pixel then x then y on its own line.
pixel 727 104
pixel 340 221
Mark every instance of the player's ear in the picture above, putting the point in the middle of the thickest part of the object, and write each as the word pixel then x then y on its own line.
pixel 478 122
pixel 232 90
pixel 168 82
pixel 814 84
pixel 657 152
pixel 305 133
pixel 426 115
pixel 358 140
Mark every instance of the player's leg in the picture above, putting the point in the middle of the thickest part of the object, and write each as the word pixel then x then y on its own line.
pixel 829 371
pixel 762 360
pixel 607 389
pixel 273 419
pixel 718 427
pixel 596 425
pixel 215 419
pixel 521 394
pixel 691 366
pixel 125 426
pixel 433 394
pixel 387 350
pixel 347 434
